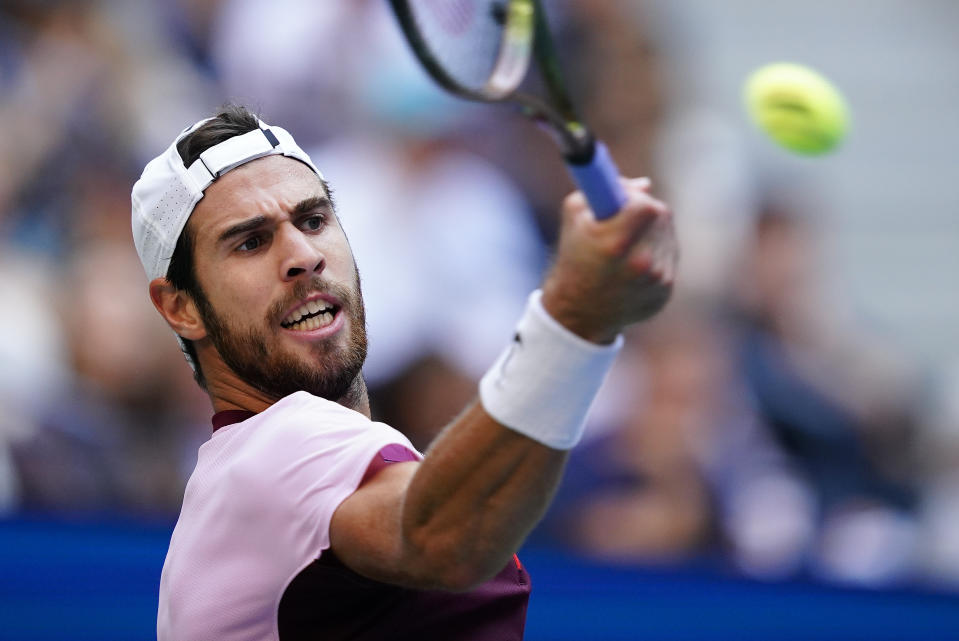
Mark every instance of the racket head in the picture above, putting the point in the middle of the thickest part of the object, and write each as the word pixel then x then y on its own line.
pixel 476 49
pixel 481 50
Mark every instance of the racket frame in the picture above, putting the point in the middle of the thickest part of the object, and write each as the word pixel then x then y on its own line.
pixel 526 33
pixel 512 60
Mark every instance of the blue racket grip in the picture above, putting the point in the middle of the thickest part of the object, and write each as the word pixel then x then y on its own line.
pixel 599 181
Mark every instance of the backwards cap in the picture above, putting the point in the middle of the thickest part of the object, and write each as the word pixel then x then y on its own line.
pixel 167 191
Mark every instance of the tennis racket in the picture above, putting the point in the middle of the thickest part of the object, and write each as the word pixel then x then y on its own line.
pixel 482 49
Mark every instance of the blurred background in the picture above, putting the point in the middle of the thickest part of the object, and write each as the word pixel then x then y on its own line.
pixel 777 454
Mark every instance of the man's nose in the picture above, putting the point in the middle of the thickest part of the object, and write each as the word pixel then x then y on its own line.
pixel 300 254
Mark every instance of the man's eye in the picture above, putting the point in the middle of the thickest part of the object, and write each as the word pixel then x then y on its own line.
pixel 313 223
pixel 250 244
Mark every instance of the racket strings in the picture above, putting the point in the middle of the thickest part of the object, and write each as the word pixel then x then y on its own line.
pixel 463 36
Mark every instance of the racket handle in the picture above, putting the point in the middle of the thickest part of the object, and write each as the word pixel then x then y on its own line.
pixel 598 179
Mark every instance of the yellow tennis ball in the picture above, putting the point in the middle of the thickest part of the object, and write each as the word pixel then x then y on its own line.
pixel 797 107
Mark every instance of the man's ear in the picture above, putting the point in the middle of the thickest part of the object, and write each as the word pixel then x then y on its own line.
pixel 178 309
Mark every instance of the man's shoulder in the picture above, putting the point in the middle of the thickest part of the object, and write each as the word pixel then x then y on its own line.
pixel 309 416
pixel 311 405
pixel 301 423
pixel 298 446
pixel 298 459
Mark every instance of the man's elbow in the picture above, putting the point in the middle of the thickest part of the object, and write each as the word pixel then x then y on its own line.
pixel 458 566
pixel 462 577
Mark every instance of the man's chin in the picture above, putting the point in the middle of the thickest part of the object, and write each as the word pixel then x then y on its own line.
pixel 328 369
pixel 281 379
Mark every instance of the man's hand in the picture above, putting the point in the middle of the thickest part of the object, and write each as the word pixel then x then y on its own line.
pixel 611 273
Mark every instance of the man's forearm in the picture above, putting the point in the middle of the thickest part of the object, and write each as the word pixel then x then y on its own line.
pixel 477 494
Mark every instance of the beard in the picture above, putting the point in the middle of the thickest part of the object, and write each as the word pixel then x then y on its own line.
pixel 334 372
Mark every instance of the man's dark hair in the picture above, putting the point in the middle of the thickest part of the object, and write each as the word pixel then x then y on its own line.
pixel 233 120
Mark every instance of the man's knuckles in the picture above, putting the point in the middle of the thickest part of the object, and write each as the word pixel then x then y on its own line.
pixel 573 204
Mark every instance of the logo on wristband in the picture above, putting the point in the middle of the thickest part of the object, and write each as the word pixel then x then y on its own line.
pixel 513 348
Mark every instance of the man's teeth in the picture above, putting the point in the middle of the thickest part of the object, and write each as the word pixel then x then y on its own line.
pixel 314 322
pixel 297 320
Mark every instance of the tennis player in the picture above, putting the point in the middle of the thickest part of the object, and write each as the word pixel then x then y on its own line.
pixel 304 518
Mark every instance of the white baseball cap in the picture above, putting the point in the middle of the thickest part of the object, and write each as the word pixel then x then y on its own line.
pixel 167 191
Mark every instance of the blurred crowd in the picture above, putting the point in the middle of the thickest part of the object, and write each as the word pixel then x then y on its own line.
pixel 756 423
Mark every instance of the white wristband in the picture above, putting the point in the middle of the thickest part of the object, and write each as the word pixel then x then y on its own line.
pixel 543 384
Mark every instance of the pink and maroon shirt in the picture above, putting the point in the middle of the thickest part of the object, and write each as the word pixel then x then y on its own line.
pixel 249 558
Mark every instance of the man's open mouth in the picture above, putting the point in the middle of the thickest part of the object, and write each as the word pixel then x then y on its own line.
pixel 309 316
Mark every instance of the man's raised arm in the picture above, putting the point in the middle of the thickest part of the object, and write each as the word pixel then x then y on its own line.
pixel 453 520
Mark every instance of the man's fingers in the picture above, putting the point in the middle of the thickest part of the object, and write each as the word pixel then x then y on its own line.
pixel 575 203
pixel 574 206
pixel 641 215
pixel 644 184
pixel 656 251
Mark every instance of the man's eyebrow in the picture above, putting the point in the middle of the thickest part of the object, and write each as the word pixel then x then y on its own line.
pixel 245 227
pixel 312 203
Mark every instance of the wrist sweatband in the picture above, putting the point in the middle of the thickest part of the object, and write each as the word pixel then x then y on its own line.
pixel 543 384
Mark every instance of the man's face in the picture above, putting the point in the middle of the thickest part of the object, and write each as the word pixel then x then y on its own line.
pixel 280 298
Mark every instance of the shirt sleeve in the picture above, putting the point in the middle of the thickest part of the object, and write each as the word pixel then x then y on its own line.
pixel 389 455
pixel 313 457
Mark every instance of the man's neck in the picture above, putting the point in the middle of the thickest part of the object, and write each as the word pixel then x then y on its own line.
pixel 238 395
